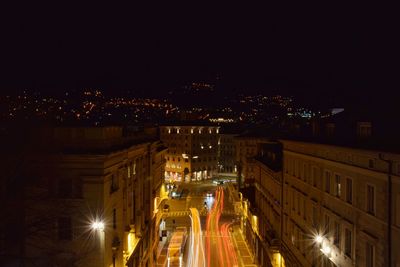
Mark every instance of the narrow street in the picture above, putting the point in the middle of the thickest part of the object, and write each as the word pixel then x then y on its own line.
pixel 221 242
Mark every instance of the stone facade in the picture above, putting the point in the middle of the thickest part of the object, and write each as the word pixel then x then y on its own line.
pixel 99 203
pixel 192 152
pixel 329 205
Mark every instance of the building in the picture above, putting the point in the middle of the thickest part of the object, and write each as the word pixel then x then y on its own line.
pixel 339 202
pixel 192 152
pixel 247 148
pixel 227 155
pixel 92 198
pixel 340 206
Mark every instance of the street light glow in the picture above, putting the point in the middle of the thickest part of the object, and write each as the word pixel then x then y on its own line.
pixel 318 239
pixel 98 226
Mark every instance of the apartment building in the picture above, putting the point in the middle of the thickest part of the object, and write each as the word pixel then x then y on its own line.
pixel 342 202
pixel 192 152
pixel 340 206
pixel 92 199
pixel 227 155
pixel 247 147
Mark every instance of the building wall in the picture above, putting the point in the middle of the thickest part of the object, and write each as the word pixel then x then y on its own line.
pixel 193 148
pixel 118 188
pixel 246 149
pixel 317 205
pixel 227 154
pixel 334 207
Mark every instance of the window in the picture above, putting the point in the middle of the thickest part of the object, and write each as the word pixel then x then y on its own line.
pixel 133 207
pixel 337 185
pixel 64 228
pixel 327 182
pixel 349 190
pixel 327 224
pixel 370 199
pixel 287 166
pixel 371 163
pixel 364 129
pixel 369 255
pixel 114 218
pixel 348 242
pixel 114 183
pixel 315 216
pixel 293 199
pixel 305 173
pixel 336 239
pixel 314 176
pixel 299 200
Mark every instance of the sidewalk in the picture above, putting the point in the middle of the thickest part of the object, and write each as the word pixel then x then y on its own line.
pixel 162 250
pixel 244 255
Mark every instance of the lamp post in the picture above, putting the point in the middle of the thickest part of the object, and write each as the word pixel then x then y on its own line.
pixel 98 227
pixel 324 245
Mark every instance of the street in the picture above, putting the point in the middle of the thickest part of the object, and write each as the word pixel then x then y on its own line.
pixel 214 235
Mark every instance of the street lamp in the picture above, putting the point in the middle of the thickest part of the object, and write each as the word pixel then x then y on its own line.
pixel 318 239
pixel 98 225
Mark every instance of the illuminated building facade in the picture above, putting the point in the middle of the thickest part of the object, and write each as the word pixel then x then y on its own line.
pixel 99 192
pixel 345 197
pixel 340 205
pixel 192 152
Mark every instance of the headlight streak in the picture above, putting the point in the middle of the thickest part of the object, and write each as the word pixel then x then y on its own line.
pixel 224 250
pixel 197 247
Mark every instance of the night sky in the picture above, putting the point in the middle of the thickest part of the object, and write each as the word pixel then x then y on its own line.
pixel 337 52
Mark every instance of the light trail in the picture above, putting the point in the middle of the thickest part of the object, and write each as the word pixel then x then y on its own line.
pixel 224 251
pixel 197 256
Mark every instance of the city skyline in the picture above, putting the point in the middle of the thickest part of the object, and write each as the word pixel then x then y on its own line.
pixel 333 53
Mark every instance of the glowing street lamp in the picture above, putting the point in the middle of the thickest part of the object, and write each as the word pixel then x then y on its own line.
pixel 98 226
pixel 318 239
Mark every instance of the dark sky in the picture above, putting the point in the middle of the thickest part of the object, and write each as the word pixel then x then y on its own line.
pixel 305 50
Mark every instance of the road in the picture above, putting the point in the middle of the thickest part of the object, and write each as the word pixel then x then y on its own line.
pixel 219 246
pixel 210 220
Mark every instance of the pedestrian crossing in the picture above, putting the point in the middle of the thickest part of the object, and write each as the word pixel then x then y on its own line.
pixel 202 212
